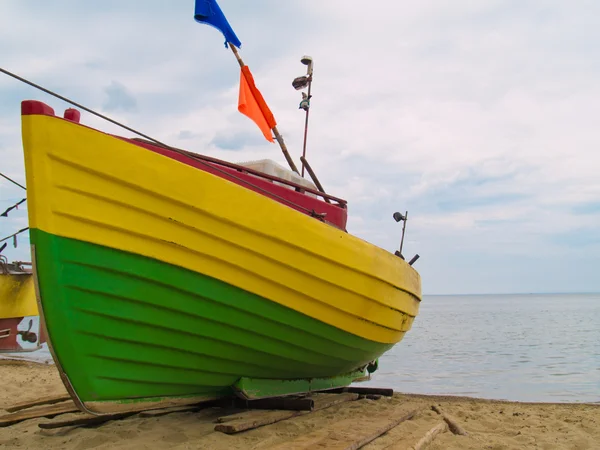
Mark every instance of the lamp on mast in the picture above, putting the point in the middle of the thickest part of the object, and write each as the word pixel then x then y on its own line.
pixel 300 83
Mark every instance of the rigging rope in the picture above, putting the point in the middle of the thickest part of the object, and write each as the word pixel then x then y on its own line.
pixel 15 206
pixel 47 91
pixel 14 234
pixel 12 181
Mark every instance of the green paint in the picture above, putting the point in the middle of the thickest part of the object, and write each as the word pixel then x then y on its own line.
pixel 253 389
pixel 125 326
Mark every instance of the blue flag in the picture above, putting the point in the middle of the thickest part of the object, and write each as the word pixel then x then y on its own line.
pixel 208 12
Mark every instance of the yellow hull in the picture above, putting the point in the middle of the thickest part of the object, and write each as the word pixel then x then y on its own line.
pixel 95 188
pixel 17 296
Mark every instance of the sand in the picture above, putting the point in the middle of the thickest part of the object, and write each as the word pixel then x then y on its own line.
pixel 491 425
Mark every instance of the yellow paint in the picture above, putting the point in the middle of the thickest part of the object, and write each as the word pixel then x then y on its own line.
pixel 17 296
pixel 86 185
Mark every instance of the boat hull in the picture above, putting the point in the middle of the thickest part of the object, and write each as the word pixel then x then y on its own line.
pixel 159 282
pixel 18 312
pixel 148 330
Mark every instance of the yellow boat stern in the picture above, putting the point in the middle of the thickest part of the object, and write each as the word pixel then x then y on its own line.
pixel 17 296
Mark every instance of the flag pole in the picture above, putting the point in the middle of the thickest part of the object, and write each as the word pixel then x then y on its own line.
pixel 278 136
pixel 313 176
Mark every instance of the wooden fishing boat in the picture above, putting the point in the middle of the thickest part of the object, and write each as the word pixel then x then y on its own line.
pixel 166 277
pixel 18 309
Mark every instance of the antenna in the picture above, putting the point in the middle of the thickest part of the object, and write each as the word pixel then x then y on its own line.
pixel 299 83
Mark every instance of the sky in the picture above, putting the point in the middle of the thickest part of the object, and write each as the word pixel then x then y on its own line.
pixel 478 118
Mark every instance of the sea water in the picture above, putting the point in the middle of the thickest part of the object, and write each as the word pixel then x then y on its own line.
pixel 542 348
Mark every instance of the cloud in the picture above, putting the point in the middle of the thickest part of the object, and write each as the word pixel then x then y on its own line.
pixel 119 98
pixel 479 118
pixel 236 141
pixel 186 134
pixel 579 238
pixel 587 208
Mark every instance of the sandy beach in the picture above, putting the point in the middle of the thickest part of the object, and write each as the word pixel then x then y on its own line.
pixel 490 424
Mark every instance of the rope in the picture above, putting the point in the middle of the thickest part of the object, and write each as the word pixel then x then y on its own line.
pixel 15 206
pixel 14 234
pixel 16 77
pixel 12 181
pixel 156 141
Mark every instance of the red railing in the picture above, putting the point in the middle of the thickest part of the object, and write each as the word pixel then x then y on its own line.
pixel 299 188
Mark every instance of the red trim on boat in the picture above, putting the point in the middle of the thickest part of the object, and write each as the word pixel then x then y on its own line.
pixel 335 214
pixel 294 196
pixel 31 107
pixel 220 162
pixel 73 115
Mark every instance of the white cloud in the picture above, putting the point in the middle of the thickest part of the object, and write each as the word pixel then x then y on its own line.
pixel 477 117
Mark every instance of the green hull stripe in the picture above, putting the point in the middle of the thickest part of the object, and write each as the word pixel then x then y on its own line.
pixel 126 326
pixel 252 389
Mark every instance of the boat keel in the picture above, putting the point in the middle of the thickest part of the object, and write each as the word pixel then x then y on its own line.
pixel 257 388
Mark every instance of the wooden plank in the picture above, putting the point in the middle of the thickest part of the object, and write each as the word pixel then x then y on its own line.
pixel 386 392
pixel 87 420
pixel 113 407
pixel 452 423
pixel 201 409
pixel 50 400
pixel 242 415
pixel 430 436
pixel 349 434
pixel 44 411
pixel 370 391
pixel 230 418
pixel 255 421
pixel 276 403
pixel 360 439
pixel 242 421
pixel 323 401
pixel 165 411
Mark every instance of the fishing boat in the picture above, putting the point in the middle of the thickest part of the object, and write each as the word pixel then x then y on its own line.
pixel 166 277
pixel 19 321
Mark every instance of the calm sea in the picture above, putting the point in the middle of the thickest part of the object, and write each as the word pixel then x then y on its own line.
pixel 543 348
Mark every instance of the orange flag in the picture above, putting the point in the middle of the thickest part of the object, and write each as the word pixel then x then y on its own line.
pixel 253 105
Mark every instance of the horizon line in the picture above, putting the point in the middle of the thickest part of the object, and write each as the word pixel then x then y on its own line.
pixel 516 293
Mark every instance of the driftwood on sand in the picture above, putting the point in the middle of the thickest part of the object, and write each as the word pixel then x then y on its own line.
pixel 430 436
pixel 49 400
pixel 348 434
pixel 452 423
pixel 171 410
pixel 86 420
pixel 34 413
pixel 256 418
